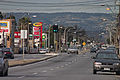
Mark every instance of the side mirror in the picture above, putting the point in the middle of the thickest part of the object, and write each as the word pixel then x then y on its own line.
pixel 5 57
pixel 93 57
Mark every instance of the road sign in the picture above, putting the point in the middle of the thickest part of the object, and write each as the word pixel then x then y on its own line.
pixel 43 36
pixel 23 34
pixel 83 43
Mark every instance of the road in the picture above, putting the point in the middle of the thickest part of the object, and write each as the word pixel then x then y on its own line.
pixel 62 67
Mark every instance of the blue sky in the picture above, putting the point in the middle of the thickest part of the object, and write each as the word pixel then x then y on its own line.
pixel 50 6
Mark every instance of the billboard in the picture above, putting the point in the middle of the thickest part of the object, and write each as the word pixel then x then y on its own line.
pixel 17 34
pixel 4 26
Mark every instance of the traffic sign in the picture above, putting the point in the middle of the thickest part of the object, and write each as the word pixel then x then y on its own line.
pixel 83 43
pixel 43 36
pixel 23 34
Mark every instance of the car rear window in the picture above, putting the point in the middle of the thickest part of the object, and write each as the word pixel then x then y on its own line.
pixel 1 54
pixel 107 56
pixel 6 49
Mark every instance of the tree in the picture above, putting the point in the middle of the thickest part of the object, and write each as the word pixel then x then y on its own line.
pixel 13 17
pixel 24 22
pixel 1 16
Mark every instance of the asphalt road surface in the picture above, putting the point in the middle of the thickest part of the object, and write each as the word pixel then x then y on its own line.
pixel 62 67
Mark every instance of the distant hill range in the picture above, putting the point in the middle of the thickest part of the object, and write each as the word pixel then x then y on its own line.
pixel 92 22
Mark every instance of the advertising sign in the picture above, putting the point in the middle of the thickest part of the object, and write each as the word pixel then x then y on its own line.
pixel 17 34
pixel 23 34
pixel 4 26
pixel 36 32
pixel 37 24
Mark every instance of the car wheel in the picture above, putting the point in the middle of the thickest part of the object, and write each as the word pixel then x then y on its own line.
pixel 2 73
pixel 77 52
pixel 94 71
pixel 117 73
pixel 12 57
pixel 6 73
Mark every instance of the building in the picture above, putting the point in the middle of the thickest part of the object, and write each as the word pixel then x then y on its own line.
pixel 7 28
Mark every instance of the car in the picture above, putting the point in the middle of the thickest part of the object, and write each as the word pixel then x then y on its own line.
pixel 106 62
pixel 108 51
pixel 93 49
pixel 72 49
pixel 21 50
pixel 3 64
pixel 8 52
pixel 43 50
pixel 112 49
pixel 64 49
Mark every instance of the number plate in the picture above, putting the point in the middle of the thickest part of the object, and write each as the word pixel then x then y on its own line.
pixel 108 69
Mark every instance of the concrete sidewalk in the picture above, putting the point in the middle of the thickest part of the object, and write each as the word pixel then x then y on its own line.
pixel 21 62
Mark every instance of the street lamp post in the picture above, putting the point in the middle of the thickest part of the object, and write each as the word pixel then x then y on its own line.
pixel 65 31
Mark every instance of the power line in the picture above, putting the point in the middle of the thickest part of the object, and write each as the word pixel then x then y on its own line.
pixel 90 2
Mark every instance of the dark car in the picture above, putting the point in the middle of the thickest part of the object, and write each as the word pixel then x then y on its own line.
pixel 64 49
pixel 112 49
pixel 8 52
pixel 93 49
pixel 3 64
pixel 21 50
pixel 106 62
pixel 108 51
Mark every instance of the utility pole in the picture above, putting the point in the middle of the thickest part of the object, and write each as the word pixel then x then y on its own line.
pixel 118 26
pixel 49 38
pixel 119 31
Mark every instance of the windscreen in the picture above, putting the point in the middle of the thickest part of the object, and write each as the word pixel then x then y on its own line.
pixel 1 54
pixel 107 56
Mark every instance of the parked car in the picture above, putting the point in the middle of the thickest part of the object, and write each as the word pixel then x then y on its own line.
pixel 3 64
pixel 8 52
pixel 64 49
pixel 21 50
pixel 72 49
pixel 106 62
pixel 43 50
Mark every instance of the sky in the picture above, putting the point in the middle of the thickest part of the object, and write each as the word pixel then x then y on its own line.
pixel 52 6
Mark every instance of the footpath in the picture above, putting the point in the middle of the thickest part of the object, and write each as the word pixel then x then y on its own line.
pixel 40 57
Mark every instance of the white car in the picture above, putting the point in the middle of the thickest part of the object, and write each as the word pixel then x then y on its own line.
pixel 43 50
pixel 72 49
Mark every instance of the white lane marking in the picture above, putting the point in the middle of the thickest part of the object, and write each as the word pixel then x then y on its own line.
pixel 35 73
pixel 66 64
pixel 51 69
pixel 62 66
pixel 44 71
pixel 21 77
pixel 57 67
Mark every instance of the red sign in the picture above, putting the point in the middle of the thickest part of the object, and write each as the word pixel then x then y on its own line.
pixel 17 34
pixel 5 30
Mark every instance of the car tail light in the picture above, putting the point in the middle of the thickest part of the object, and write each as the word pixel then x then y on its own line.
pixel 7 52
pixel 97 63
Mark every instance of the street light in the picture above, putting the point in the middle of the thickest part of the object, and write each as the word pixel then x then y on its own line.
pixel 65 31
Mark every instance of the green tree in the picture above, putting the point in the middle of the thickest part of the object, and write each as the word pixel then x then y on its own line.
pixel 1 16
pixel 13 17
pixel 24 22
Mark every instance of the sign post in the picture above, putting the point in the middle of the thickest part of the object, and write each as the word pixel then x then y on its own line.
pixel 23 36
pixel 39 25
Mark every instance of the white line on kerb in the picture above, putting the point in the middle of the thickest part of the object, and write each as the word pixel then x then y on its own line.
pixel 21 77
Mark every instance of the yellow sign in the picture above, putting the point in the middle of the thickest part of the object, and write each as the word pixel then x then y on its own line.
pixel 108 9
pixel 83 43
pixel 37 24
